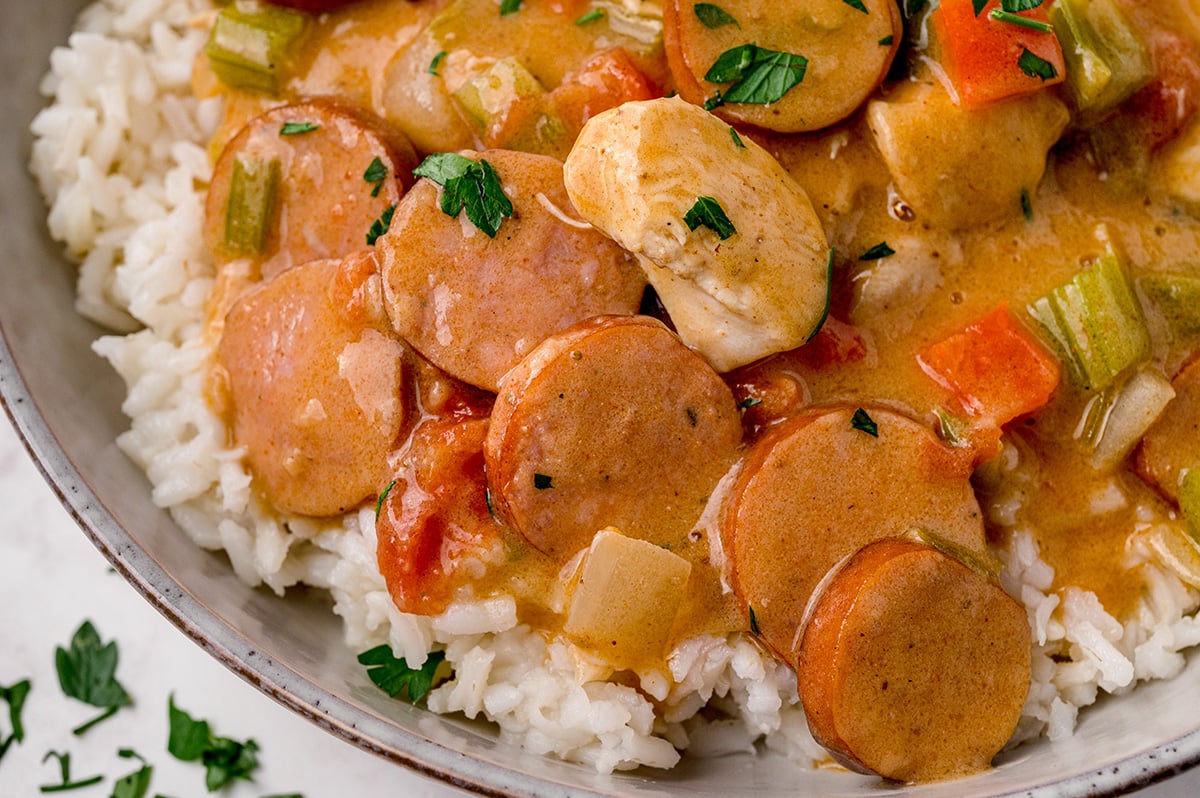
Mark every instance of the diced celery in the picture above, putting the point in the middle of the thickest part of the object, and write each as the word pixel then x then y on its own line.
pixel 1177 297
pixel 1106 63
pixel 1189 501
pixel 638 20
pixel 1177 550
pixel 489 94
pixel 1095 321
pixel 981 562
pixel 250 209
pixel 1117 418
pixel 249 45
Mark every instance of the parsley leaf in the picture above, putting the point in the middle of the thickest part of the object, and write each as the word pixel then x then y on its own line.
pixel 749 402
pixel 595 15
pixel 857 5
pixel 712 16
pixel 135 784
pixel 863 422
pixel 880 250
pixel 64 771
pixel 1020 21
pixel 828 296
pixel 886 41
pixel 759 76
pixel 709 213
pixel 979 5
pixel 543 481
pixel 380 225
pixel 393 676
pixel 1036 67
pixel 435 63
pixel 87 672
pixel 753 621
pixel 376 173
pixel 468 185
pixel 509 7
pixel 14 696
pixel 296 128
pixel 224 759
pixel 737 140
pixel 1020 5
pixel 1026 205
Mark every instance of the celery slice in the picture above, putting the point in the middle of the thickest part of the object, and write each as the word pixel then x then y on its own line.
pixel 250 209
pixel 1117 417
pixel 489 94
pixel 1177 297
pixel 249 45
pixel 1095 321
pixel 1106 63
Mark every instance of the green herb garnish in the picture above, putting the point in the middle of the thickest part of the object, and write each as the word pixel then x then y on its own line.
pixel 224 759
pixel 708 212
pixel 393 676
pixel 470 185
pixel 759 76
pixel 14 696
pixel 750 402
pixel 436 62
pixel 712 16
pixel 1024 22
pixel 828 296
pixel 87 672
pixel 64 770
pixel 376 173
pixel 863 422
pixel 296 128
pixel 978 5
pixel 737 140
pixel 886 41
pixel 383 497
pixel 880 250
pixel 543 481
pixel 1036 67
pixel 1026 205
pixel 509 7
pixel 595 15
pixel 380 225
pixel 857 5
pixel 135 784
pixel 753 621
pixel 1013 6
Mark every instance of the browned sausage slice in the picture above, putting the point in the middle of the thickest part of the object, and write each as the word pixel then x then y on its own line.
pixel 1172 445
pixel 613 422
pixel 316 383
pixel 848 47
pixel 475 305
pixel 818 488
pixel 913 666
pixel 324 195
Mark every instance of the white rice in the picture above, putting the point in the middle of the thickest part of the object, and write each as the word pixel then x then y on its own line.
pixel 120 155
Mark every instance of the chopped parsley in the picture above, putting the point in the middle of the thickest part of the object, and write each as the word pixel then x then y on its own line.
pixel 64 771
pixel 509 7
pixel 543 481
pixel 296 128
pixel 750 402
pixel 753 621
pixel 1036 67
pixel 758 76
pixel 224 760
pixel 470 185
pixel 857 5
pixel 376 173
pixel 436 62
pixel 383 497
pixel 87 672
pixel 595 15
pixel 14 695
pixel 828 296
pixel 979 5
pixel 880 250
pixel 380 225
pixel 1026 205
pixel 864 423
pixel 392 675
pixel 1024 22
pixel 135 784
pixel 886 41
pixel 1020 5
pixel 737 140
pixel 712 16
pixel 707 212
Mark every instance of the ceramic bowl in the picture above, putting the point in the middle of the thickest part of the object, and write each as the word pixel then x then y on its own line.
pixel 65 402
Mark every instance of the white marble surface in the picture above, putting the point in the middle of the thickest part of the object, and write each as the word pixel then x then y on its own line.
pixel 51 579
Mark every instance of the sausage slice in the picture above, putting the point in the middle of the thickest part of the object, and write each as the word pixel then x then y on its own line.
pixel 818 488
pixel 913 666
pixel 613 422
pixel 475 305
pixel 315 381
pixel 324 195
pixel 848 48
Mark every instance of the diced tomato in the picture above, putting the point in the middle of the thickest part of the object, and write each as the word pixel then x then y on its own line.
pixel 983 55
pixel 995 368
pixel 435 515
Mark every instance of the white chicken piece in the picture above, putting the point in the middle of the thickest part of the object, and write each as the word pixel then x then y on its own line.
pixel 637 171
